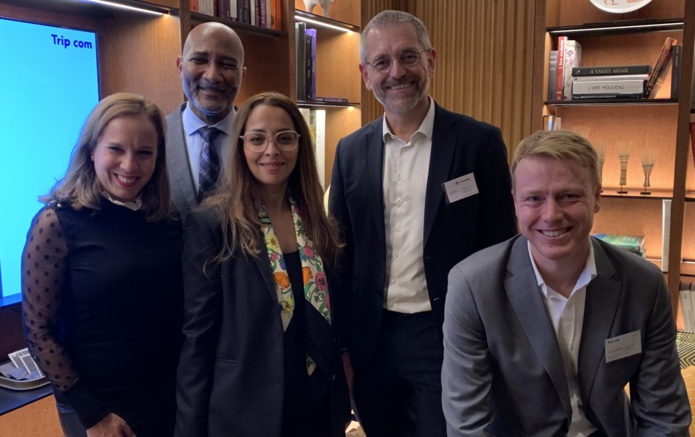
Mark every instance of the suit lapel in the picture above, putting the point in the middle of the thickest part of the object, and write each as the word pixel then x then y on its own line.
pixel 179 163
pixel 374 158
pixel 527 301
pixel 444 138
pixel 602 298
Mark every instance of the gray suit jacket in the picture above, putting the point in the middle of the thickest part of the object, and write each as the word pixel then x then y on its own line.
pixel 503 374
pixel 183 192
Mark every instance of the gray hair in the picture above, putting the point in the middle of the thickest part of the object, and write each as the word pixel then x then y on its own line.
pixel 389 18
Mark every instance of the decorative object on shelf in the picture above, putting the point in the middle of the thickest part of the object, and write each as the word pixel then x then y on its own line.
pixel 624 155
pixel 601 153
pixel 552 122
pixel 620 6
pixel 325 4
pixel 648 159
pixel 581 130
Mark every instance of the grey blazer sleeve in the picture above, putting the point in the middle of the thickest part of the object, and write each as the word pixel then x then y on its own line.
pixel 466 370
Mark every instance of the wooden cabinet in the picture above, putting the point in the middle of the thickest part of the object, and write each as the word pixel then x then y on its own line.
pixel 659 126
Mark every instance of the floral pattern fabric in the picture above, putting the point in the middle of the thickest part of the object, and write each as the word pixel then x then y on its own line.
pixel 313 273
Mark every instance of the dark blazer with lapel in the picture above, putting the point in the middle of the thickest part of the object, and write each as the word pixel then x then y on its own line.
pixel 503 373
pixel 183 192
pixel 460 145
pixel 231 375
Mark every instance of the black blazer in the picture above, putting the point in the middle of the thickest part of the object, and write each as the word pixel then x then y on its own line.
pixel 231 374
pixel 460 145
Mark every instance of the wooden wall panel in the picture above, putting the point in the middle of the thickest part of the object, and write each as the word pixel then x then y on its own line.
pixel 137 54
pixel 484 59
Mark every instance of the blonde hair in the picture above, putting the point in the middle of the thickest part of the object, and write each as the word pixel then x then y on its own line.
pixel 80 186
pixel 561 145
pixel 237 201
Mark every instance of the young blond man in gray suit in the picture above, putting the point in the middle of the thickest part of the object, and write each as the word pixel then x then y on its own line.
pixel 543 332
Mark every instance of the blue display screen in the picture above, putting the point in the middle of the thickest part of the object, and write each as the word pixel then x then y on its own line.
pixel 49 80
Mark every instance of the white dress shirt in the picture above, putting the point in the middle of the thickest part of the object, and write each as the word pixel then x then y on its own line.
pixel 567 316
pixel 195 142
pixel 406 167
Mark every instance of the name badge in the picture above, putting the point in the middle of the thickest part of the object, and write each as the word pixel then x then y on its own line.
pixel 623 346
pixel 460 188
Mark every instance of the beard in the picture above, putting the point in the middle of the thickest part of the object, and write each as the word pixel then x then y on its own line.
pixel 402 104
pixel 213 108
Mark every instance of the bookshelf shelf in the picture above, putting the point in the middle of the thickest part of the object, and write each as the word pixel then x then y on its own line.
pixel 319 104
pixel 617 27
pixel 198 18
pixel 635 193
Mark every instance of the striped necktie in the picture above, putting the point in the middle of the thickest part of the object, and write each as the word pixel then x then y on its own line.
pixel 209 162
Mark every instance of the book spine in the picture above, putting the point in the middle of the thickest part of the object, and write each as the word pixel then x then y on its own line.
pixel 660 65
pixel 552 74
pixel 612 77
pixel 676 60
pixel 320 150
pixel 223 8
pixel 276 14
pixel 606 96
pixel 573 59
pixel 665 232
pixel 300 46
pixel 309 66
pixel 252 12
pixel 559 86
pixel 608 87
pixel 614 70
pixel 233 11
pixel 194 6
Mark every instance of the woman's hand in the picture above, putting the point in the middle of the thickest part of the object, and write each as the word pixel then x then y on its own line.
pixel 111 426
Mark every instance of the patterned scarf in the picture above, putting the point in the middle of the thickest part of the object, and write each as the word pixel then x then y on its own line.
pixel 313 274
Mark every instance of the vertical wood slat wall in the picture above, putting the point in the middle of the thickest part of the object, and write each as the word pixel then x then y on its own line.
pixel 484 59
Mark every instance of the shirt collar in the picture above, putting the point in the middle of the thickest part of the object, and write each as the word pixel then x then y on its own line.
pixel 191 122
pixel 426 127
pixel 584 279
pixel 133 206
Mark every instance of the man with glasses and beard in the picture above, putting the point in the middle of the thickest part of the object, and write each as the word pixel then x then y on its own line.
pixel 212 69
pixel 413 192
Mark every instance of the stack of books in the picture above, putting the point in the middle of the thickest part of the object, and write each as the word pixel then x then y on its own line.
pixel 614 82
pixel 262 13
pixel 631 243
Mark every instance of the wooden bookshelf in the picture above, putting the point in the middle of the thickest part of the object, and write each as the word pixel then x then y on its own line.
pixel 658 124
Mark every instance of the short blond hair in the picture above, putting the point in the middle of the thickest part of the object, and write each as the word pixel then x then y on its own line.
pixel 561 145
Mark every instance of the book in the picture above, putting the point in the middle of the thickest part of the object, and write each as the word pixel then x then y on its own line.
pixel 631 243
pixel 193 5
pixel 676 59
pixel 311 64
pixel 559 84
pixel 573 59
pixel 665 232
pixel 611 70
pixel 692 138
pixel 616 77
pixel 608 87
pixel 331 99
pixel 306 114
pixel 552 74
pixel 607 96
pixel 300 47
pixel 660 65
pixel 276 14
pixel 319 131
pixel 223 9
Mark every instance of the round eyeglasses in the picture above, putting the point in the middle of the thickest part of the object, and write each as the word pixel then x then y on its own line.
pixel 407 58
pixel 285 141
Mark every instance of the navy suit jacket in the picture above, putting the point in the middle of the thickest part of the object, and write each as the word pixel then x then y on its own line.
pixel 503 373
pixel 460 145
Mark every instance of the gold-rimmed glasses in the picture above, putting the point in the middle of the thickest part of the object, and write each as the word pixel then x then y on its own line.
pixel 407 58
pixel 286 140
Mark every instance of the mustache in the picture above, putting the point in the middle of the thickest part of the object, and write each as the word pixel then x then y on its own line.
pixel 208 85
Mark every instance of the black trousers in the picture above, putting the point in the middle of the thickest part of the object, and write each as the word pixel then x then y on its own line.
pixel 400 392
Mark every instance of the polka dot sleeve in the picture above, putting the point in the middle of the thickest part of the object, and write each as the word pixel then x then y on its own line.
pixel 43 265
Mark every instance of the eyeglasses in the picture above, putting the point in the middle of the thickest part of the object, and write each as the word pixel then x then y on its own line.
pixel 407 58
pixel 285 141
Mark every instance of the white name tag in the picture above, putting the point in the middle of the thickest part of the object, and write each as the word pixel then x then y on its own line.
pixel 460 188
pixel 623 346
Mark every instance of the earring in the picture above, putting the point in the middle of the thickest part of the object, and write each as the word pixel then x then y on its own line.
pixel 92 157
